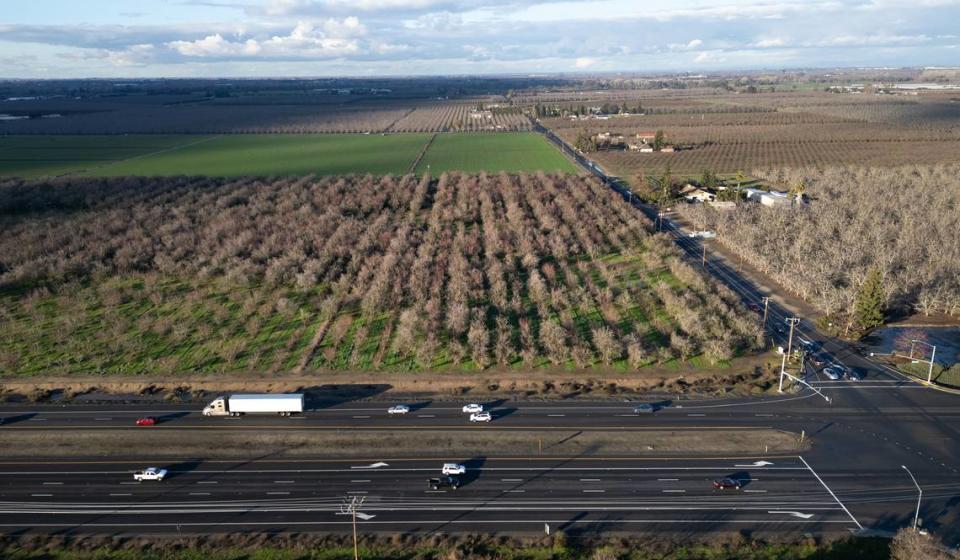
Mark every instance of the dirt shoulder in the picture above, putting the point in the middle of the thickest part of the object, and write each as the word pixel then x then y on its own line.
pixel 752 375
pixel 381 444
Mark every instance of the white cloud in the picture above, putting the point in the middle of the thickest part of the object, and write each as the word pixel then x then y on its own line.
pixel 331 38
pixel 584 62
pixel 769 43
pixel 694 44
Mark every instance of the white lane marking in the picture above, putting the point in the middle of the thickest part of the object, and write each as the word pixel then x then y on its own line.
pixel 277 493
pixel 511 480
pixel 814 473
pixel 361 417
pixel 120 494
pixel 38 419
pixel 436 491
pixel 557 415
pixel 199 493
pixel 674 491
pixel 283 482
pixel 696 414
pixel 376 465
pixel 516 491
pixel 361 480
pixel 41 495
pixel 134 482
pixel 668 479
pixel 589 480
pixel 593 491
pixel 358 492
pixel 52 483
pixel 208 482
pixel 756 491
pixel 426 416
pixel 103 418
pixel 763 415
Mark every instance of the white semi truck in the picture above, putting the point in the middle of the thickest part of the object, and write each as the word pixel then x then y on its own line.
pixel 262 403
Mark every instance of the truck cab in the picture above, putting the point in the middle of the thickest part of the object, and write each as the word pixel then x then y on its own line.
pixel 217 408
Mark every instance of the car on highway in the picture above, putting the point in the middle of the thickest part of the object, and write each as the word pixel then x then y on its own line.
pixel 754 307
pixel 727 484
pixel 481 417
pixel 645 408
pixel 443 482
pixel 398 409
pixel 832 372
pixel 453 468
pixel 851 375
pixel 146 421
pixel 150 473
pixel 472 407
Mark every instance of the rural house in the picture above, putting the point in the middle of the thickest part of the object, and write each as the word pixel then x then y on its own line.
pixel 691 193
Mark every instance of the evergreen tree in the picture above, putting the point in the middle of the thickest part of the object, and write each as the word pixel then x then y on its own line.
pixel 871 301
pixel 658 140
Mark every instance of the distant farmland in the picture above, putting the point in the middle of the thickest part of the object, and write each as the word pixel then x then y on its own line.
pixel 274 154
pixel 471 153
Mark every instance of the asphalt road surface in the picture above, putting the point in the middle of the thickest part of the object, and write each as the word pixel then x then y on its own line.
pixel 851 480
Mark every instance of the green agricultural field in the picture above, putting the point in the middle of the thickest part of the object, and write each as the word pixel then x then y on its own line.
pixel 493 152
pixel 37 156
pixel 275 154
pixel 280 154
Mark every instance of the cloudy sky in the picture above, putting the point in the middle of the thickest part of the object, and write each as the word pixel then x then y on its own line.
pixel 144 38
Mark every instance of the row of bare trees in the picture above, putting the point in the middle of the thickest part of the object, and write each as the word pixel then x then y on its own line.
pixel 902 221
pixel 390 271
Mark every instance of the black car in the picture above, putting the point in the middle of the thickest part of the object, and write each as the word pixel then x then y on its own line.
pixel 443 483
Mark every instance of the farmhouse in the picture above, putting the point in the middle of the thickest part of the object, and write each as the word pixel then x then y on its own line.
pixel 640 147
pixel 771 198
pixel 487 115
pixel 691 193
pixel 646 136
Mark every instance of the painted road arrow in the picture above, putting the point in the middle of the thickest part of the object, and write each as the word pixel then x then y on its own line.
pixel 795 514
pixel 372 466
pixel 365 516
pixel 756 464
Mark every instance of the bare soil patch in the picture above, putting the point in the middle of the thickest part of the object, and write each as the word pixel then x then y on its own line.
pixel 383 444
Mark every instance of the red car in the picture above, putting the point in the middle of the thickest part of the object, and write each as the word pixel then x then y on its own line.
pixel 146 421
pixel 726 484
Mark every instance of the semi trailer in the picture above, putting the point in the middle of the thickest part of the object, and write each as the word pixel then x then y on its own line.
pixel 263 403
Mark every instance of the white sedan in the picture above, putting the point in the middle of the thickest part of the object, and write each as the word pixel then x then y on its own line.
pixel 472 407
pixel 481 417
pixel 150 473
pixel 398 409
pixel 453 468
pixel 833 372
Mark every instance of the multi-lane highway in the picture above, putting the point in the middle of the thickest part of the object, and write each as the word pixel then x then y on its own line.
pixel 850 479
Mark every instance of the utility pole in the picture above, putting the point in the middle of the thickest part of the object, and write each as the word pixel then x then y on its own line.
pixel 703 259
pixel 792 321
pixel 916 517
pixel 351 507
pixel 766 305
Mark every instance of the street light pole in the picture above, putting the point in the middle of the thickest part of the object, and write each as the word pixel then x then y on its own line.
pixel 350 508
pixel 916 517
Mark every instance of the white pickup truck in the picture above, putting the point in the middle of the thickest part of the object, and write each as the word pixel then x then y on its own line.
pixel 150 473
